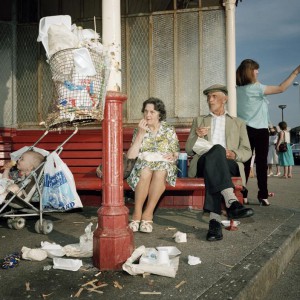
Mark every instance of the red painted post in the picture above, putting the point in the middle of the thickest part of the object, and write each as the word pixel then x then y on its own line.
pixel 113 240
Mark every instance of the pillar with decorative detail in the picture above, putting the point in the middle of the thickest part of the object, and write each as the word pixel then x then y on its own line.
pixel 113 240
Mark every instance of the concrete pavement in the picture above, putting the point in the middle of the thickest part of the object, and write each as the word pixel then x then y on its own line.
pixel 244 265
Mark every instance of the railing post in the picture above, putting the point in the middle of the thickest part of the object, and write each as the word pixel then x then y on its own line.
pixel 113 240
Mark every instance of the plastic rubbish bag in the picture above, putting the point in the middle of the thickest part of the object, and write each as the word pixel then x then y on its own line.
pixel 45 24
pixel 85 246
pixel 52 249
pixel 59 191
pixel 60 38
pixel 33 254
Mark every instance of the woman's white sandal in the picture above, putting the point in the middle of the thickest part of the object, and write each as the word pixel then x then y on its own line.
pixel 146 226
pixel 134 225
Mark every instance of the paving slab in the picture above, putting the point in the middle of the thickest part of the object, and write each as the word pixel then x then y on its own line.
pixel 244 265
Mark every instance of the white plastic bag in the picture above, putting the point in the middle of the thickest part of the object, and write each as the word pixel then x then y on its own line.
pixel 60 38
pixel 202 146
pixel 44 25
pixel 59 191
pixel 53 249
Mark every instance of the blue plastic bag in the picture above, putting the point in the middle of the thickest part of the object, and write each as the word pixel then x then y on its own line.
pixel 59 190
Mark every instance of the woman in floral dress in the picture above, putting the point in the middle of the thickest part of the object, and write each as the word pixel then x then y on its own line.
pixel 156 146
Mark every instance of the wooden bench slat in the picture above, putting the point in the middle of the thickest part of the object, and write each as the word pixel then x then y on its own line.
pixel 83 154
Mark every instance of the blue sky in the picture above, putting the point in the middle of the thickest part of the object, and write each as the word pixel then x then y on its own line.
pixel 268 31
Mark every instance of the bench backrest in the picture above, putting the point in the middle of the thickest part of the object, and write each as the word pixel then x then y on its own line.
pixel 82 153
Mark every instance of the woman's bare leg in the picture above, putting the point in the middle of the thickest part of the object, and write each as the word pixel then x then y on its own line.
pixel 141 193
pixel 157 187
pixel 290 171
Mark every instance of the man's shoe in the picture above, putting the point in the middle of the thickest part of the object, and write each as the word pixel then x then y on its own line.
pixel 238 211
pixel 214 232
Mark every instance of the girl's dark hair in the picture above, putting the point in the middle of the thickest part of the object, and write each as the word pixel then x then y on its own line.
pixel 244 72
pixel 158 106
pixel 282 125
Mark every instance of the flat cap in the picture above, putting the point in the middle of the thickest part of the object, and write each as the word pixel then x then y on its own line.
pixel 216 88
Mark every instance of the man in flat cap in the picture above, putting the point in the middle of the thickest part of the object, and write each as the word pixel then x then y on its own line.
pixel 219 145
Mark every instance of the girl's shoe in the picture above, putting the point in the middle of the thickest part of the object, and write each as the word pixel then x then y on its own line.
pixel 134 225
pixel 244 192
pixel 290 176
pixel 277 175
pixel 271 194
pixel 146 226
pixel 263 202
pixel 270 174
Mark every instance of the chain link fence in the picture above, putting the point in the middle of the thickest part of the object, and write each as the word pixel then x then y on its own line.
pixel 172 55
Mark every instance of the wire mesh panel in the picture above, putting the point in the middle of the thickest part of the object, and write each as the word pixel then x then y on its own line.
pixel 6 79
pixel 175 56
pixel 137 65
pixel 188 72
pixel 46 87
pixel 27 100
pixel 78 99
pixel 162 76
pixel 213 51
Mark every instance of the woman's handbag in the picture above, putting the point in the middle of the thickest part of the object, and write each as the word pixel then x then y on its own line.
pixel 282 147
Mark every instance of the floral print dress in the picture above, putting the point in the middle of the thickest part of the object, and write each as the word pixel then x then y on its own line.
pixel 164 141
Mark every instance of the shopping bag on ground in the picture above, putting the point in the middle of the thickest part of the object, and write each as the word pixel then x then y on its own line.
pixel 59 191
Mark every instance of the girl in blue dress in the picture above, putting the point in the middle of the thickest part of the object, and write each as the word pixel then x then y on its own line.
pixel 286 159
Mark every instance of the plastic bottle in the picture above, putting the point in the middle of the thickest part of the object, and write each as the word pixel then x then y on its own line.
pixel 182 165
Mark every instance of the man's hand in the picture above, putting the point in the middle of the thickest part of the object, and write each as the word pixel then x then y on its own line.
pixel 202 131
pixel 230 154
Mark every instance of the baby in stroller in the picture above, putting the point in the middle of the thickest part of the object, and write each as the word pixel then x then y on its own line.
pixel 16 172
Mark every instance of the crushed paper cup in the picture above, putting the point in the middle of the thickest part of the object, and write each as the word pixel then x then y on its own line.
pixel 163 257
pixel 180 237
pixel 226 223
pixel 67 264
pixel 172 251
pixel 193 260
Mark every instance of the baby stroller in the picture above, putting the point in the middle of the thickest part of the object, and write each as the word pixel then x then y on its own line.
pixel 17 208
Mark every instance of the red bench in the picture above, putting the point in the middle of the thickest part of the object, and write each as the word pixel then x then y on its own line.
pixel 83 153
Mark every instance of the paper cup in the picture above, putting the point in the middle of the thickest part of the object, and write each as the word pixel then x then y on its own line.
pixel 163 257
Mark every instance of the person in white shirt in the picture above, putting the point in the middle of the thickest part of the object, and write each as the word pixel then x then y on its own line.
pixel 230 147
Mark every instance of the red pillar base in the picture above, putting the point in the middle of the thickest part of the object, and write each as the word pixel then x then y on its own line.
pixel 113 241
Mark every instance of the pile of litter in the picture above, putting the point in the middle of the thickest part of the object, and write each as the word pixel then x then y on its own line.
pixel 80 68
